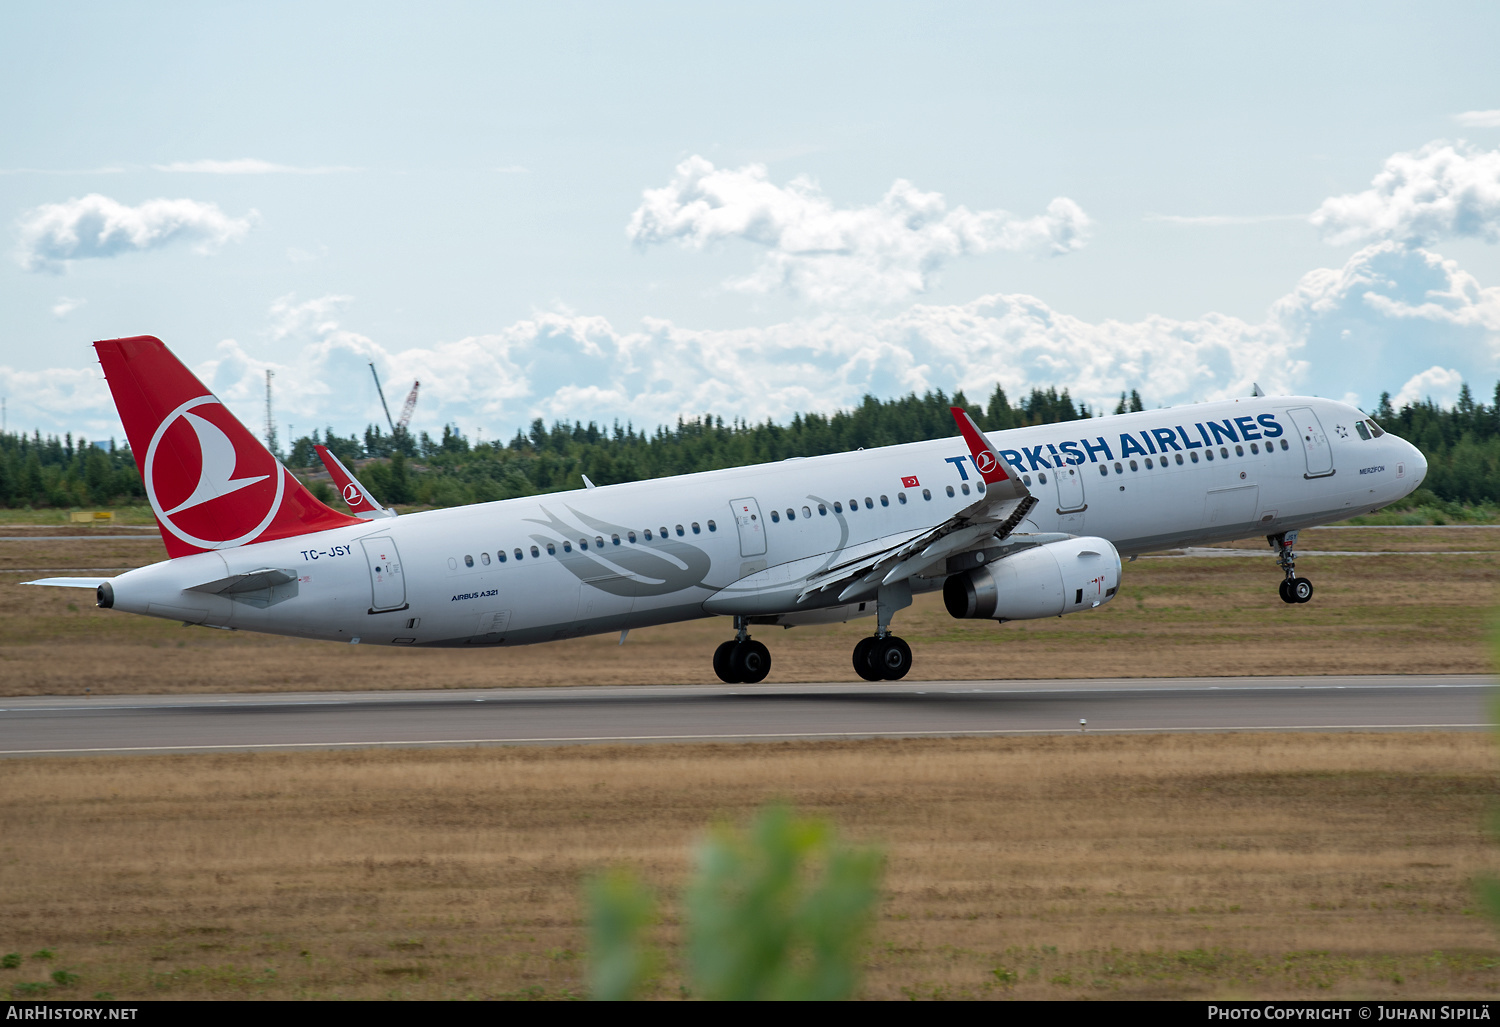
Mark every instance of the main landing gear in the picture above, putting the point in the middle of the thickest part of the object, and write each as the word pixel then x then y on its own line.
pixel 742 660
pixel 885 657
pixel 1293 589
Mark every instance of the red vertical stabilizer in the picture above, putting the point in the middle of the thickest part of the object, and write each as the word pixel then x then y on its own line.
pixel 211 483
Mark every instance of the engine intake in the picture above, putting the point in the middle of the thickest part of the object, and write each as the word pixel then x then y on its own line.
pixel 1046 581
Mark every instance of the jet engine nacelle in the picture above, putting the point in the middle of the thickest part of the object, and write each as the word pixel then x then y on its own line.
pixel 1059 577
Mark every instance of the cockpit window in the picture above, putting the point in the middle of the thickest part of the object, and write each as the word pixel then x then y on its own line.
pixel 1364 432
pixel 1375 429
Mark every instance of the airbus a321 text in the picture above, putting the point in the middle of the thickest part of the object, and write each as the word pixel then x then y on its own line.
pixel 1011 525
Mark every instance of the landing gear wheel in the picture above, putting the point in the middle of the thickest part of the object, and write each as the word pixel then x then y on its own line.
pixel 862 664
pixel 891 656
pixel 750 661
pixel 1285 588
pixel 1301 590
pixel 723 657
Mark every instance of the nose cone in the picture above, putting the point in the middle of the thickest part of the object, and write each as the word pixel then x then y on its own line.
pixel 1416 465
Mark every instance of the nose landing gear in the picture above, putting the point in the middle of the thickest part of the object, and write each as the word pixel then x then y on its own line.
pixel 1293 589
pixel 742 660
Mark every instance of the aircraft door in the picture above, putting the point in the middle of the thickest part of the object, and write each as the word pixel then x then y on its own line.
pixel 1314 441
pixel 387 585
pixel 751 528
pixel 1069 489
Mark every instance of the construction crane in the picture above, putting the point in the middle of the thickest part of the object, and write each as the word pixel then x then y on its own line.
pixel 406 409
pixel 409 406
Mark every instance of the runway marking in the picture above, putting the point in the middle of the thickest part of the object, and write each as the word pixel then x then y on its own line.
pixel 744 736
pixel 87 706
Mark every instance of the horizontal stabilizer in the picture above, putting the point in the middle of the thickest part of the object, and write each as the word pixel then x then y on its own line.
pixel 68 582
pixel 252 581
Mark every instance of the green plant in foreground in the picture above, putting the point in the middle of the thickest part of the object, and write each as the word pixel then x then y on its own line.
pixel 10 961
pixel 778 911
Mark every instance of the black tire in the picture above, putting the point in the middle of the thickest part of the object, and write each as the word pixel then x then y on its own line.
pixel 750 661
pixel 892 657
pixel 862 665
pixel 1302 590
pixel 724 662
pixel 1285 588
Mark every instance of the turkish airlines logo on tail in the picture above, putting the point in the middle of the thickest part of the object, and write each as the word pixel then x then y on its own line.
pixel 986 462
pixel 210 482
pixel 352 494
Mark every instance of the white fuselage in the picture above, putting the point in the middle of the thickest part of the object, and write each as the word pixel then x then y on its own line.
pixel 669 549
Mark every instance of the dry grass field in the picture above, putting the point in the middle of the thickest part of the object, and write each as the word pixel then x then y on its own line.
pixel 1148 866
pixel 1425 608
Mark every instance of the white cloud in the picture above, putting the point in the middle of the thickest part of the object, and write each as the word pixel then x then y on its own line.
pixel 1478 119
pixel 882 253
pixel 1440 384
pixel 1388 315
pixel 1441 191
pixel 244 166
pixel 65 305
pixel 96 226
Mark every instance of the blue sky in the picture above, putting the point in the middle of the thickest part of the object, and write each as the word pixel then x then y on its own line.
pixel 637 211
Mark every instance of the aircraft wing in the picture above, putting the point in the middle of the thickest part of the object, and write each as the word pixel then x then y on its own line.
pixel 360 502
pixel 68 582
pixel 1004 503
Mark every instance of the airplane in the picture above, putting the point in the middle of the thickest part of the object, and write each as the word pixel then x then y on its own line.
pixel 1011 525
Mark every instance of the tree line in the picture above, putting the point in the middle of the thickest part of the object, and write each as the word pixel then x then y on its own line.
pixel 1461 443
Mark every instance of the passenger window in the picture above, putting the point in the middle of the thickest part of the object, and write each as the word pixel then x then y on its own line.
pixel 484 558
pixel 1193 456
pixel 791 514
pixel 1224 452
pixel 714 527
pixel 1364 432
pixel 927 494
pixel 1208 453
pixel 1118 468
pixel 583 543
pixel 838 507
pixel 901 498
pixel 1239 450
pixel 822 511
pixel 664 529
pixel 1134 466
pixel 519 554
pixel 599 541
pixel 965 488
pixel 978 485
pixel 1103 471
pixel 1041 477
pixel 500 556
pixel 567 548
pixel 1026 480
pixel 452 564
pixel 1284 445
pixel 535 551
pixel 697 530
pixel 884 501
pixel 1149 464
pixel 679 531
pixel 805 513
pixel 1177 457
pixel 775 517
pixel 615 539
pixel 950 491
pixel 468 561
pixel 648 534
pixel 552 550
pixel 630 536
pixel 870 505
pixel 1254 447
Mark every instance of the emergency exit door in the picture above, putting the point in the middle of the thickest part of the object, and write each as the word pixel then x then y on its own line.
pixel 387 585
pixel 751 528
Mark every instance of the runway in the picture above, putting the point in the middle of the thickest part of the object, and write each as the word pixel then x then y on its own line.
pixel 559 716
